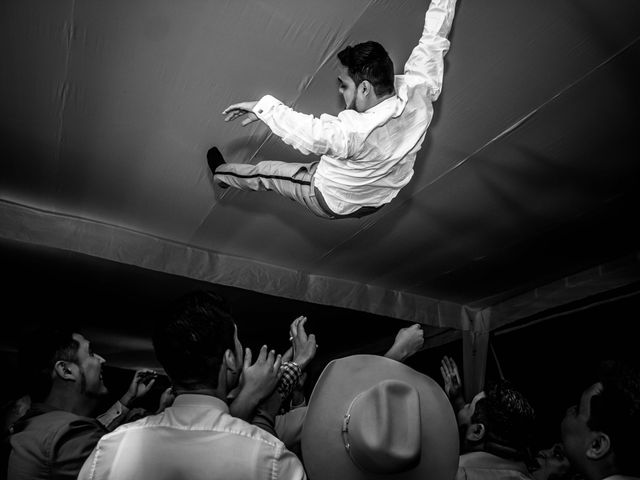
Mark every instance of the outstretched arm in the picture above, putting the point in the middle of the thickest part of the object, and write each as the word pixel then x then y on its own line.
pixel 427 59
pixel 337 136
pixel 140 385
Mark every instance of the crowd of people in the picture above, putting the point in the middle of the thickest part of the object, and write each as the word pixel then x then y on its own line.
pixel 234 413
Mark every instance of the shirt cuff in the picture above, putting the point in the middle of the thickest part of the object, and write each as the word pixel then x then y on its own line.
pixel 112 417
pixel 289 375
pixel 265 105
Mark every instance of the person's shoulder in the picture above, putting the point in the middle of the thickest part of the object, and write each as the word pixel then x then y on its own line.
pixel 53 420
pixel 57 427
pixel 147 421
pixel 252 433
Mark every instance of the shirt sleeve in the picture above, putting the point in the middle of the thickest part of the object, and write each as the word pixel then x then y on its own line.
pixel 113 417
pixel 327 135
pixel 288 467
pixel 426 62
pixel 289 376
pixel 75 445
pixel 265 420
pixel 288 428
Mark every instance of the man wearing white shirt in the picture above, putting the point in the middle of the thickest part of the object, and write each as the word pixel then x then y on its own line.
pixel 197 437
pixel 367 152
pixel 600 433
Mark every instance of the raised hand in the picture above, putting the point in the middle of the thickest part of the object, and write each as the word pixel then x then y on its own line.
pixel 237 110
pixel 288 355
pixel 304 346
pixel 166 399
pixel 140 385
pixel 408 341
pixel 451 377
pixel 261 378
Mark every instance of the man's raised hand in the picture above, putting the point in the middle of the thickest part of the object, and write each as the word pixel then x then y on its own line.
pixel 452 382
pixel 304 346
pixel 140 385
pixel 261 378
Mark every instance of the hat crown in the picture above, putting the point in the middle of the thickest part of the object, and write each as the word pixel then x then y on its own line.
pixel 344 387
pixel 382 429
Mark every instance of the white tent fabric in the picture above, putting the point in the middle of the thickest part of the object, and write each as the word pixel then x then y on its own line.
pixel 523 197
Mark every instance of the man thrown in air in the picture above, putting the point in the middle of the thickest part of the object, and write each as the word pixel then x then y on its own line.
pixel 367 152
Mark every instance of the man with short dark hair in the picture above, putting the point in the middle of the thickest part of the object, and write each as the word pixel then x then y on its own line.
pixel 600 433
pixel 368 150
pixel 196 437
pixel 495 428
pixel 53 439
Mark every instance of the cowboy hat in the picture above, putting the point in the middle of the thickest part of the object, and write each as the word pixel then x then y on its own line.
pixel 373 417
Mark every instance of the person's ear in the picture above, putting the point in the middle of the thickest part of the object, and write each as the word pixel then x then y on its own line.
pixel 365 88
pixel 64 370
pixel 230 361
pixel 475 432
pixel 599 447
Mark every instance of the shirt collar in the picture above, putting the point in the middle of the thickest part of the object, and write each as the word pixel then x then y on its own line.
pixel 392 106
pixel 488 460
pixel 197 400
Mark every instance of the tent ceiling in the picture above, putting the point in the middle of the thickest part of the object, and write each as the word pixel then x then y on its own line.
pixel 529 172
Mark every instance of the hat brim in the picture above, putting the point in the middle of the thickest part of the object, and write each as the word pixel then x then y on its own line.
pixel 323 451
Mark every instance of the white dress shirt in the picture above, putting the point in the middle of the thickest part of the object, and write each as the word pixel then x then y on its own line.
pixel 195 438
pixel 366 158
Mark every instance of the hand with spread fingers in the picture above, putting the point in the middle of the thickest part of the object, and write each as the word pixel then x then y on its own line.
pixel 304 346
pixel 257 383
pixel 261 378
pixel 452 382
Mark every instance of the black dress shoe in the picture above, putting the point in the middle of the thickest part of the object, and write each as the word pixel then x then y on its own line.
pixel 214 159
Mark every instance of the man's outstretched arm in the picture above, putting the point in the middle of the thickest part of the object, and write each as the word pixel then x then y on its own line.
pixel 427 59
pixel 336 136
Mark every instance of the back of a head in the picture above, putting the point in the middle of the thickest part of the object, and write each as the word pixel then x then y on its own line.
pixel 369 61
pixel 39 351
pixel 191 340
pixel 616 412
pixel 509 420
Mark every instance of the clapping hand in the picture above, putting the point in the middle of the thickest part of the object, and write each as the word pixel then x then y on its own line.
pixel 304 346
pixel 261 378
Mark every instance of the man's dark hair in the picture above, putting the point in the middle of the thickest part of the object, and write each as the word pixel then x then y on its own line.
pixel 369 61
pixel 509 420
pixel 190 342
pixel 616 412
pixel 39 351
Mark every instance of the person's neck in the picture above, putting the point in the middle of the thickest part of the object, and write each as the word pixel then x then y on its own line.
pixel 210 391
pixel 377 100
pixel 71 401
pixel 598 472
